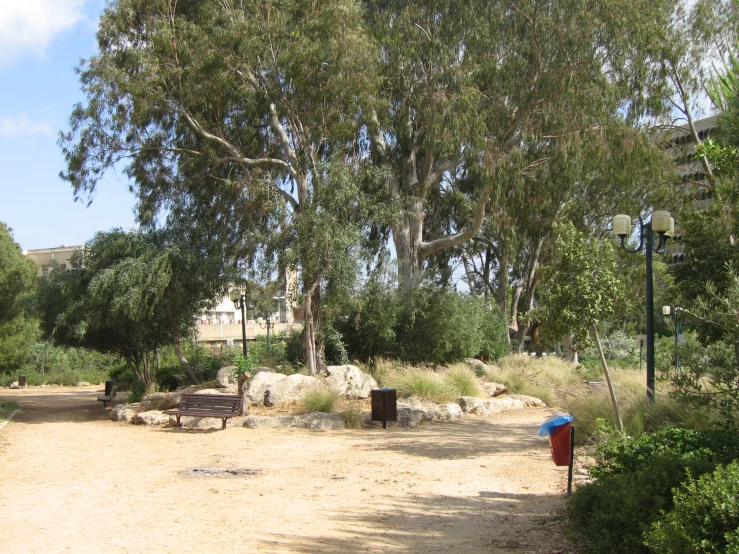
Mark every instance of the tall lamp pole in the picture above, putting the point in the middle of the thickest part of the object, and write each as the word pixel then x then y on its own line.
pixel 664 225
pixel 238 297
pixel 269 322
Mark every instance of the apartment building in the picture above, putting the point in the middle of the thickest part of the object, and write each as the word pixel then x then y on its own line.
pixel 45 257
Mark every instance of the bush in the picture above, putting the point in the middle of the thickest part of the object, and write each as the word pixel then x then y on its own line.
pixel 635 478
pixel 464 381
pixel 705 516
pixel 352 419
pixel 422 325
pixel 421 384
pixel 336 353
pixel 321 398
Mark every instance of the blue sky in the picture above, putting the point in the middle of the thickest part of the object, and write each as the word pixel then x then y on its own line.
pixel 41 43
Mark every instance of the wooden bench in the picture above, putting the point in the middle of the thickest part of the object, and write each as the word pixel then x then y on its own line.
pixel 108 396
pixel 224 406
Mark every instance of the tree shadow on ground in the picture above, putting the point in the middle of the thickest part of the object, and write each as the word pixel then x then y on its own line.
pixel 469 439
pixel 510 523
pixel 73 406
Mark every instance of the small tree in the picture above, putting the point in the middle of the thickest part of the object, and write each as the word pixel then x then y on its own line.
pixel 580 289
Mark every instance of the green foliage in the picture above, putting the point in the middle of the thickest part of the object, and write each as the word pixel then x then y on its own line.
pixel 635 478
pixel 579 285
pixel 336 353
pixel 321 398
pixel 704 518
pixel 293 340
pixel 17 282
pixel 421 325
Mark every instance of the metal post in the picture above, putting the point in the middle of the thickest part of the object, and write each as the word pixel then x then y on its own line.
pixel 572 459
pixel 650 312
pixel 677 343
pixel 243 327
pixel 268 326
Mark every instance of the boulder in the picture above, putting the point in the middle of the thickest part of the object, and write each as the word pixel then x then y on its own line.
pixel 261 369
pixel 211 391
pixel 265 422
pixel 320 421
pixel 494 389
pixel 226 376
pixel 350 381
pixel 259 384
pixel 82 384
pixel 161 401
pixel 125 412
pixel 289 389
pixel 15 385
pixel 152 417
pixel 477 406
pixel 479 367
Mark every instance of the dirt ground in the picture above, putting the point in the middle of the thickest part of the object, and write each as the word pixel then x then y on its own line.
pixel 74 481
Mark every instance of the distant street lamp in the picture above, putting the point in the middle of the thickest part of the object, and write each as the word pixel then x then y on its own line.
pixel 671 312
pixel 278 298
pixel 664 225
pixel 269 323
pixel 238 296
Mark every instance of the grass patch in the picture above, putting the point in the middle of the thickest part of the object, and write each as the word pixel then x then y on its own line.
pixel 464 381
pixel 352 418
pixel 423 384
pixel 7 407
pixel 321 398
pixel 547 378
pixel 588 405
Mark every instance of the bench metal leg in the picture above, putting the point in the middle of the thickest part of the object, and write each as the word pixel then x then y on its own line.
pixel 179 424
pixel 224 423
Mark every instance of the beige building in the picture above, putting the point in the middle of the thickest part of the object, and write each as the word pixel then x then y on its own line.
pixel 45 257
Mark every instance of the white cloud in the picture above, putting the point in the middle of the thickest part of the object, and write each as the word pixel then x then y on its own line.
pixel 21 124
pixel 28 26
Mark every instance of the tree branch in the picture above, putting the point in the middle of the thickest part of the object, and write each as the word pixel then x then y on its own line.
pixel 429 248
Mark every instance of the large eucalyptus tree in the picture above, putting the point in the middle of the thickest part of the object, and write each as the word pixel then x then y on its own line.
pixel 236 99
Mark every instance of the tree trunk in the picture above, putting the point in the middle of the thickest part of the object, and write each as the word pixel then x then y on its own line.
pixel 570 354
pixel 243 378
pixel 531 281
pixel 407 236
pixel 180 356
pixel 607 373
pixel 309 331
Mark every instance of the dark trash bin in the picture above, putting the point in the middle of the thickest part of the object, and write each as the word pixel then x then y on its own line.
pixel 22 381
pixel 384 406
pixel 109 387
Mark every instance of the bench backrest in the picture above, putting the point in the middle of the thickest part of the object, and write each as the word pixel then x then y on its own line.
pixel 217 403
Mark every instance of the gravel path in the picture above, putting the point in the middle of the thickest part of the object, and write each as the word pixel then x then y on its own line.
pixel 76 482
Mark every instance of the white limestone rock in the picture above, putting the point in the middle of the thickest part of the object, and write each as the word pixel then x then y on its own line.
pixel 226 376
pixel 289 389
pixel 259 384
pixel 152 417
pixel 125 412
pixel 351 381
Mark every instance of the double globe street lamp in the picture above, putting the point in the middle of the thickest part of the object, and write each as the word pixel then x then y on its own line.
pixel 663 225
pixel 238 296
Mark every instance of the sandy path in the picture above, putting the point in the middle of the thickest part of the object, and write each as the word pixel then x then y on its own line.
pixel 74 481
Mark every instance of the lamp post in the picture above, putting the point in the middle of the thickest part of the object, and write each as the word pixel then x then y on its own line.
pixel 671 312
pixel 269 322
pixel 279 313
pixel 238 297
pixel 664 225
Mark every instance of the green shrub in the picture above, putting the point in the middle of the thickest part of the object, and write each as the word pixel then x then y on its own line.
pixel 321 398
pixel 704 518
pixel 293 340
pixel 352 419
pixel 634 482
pixel 425 324
pixel 336 353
